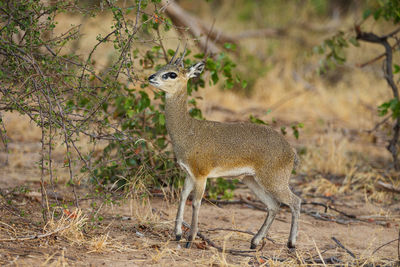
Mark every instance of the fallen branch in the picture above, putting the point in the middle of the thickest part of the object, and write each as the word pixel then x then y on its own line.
pixel 212 244
pixel 385 244
pixel 387 187
pixel 244 253
pixel 326 217
pixel 242 200
pixel 239 231
pixel 31 237
pixel 343 247
pixel 326 206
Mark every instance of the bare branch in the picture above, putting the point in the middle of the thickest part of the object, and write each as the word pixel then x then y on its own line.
pixel 205 33
pixel 388 70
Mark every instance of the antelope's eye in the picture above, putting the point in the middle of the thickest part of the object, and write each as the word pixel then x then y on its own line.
pixel 172 75
pixel 165 76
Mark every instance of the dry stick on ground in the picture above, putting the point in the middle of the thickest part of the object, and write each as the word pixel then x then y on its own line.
pixel 343 247
pixel 243 201
pixel 31 237
pixel 317 215
pixel 385 244
pixel 388 71
pixel 239 231
pixel 243 253
pixel 230 251
pixel 326 206
pixel 387 187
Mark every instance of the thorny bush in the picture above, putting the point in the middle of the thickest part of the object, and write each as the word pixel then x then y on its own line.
pixel 71 99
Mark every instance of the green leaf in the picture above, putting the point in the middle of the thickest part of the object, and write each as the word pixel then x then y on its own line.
pixel 214 77
pixel 367 13
pixel 244 84
pixel 161 119
pixel 257 120
pixel 171 52
pixel 354 41
pixel 377 14
pixel 130 113
pixel 396 69
pixel 230 46
pixel 229 83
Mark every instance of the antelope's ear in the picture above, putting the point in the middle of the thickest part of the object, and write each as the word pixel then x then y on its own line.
pixel 195 70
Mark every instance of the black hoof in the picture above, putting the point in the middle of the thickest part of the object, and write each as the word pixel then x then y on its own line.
pixel 291 246
pixel 253 246
pixel 188 244
pixel 178 237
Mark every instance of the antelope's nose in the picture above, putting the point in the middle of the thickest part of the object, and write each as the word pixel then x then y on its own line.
pixel 152 77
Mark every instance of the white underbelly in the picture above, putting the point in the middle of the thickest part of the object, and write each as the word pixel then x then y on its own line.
pixel 233 172
pixel 221 172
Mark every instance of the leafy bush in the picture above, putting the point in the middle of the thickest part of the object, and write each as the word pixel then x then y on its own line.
pixel 69 98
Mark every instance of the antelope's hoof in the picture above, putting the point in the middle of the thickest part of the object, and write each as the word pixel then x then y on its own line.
pixel 291 245
pixel 253 246
pixel 188 244
pixel 178 237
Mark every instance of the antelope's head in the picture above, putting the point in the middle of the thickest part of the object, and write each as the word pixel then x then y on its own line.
pixel 174 76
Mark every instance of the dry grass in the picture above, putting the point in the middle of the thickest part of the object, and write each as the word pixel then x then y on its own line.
pixel 72 224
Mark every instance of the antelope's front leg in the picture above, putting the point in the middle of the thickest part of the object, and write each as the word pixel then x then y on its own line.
pixel 199 187
pixel 187 188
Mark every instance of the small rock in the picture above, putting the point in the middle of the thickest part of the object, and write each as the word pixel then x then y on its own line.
pixel 139 234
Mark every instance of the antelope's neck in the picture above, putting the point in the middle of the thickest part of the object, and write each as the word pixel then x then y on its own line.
pixel 178 121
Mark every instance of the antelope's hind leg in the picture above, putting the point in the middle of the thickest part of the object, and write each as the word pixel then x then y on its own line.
pixel 294 203
pixel 286 196
pixel 269 201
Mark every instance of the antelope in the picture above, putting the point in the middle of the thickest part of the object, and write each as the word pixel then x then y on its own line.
pixel 257 154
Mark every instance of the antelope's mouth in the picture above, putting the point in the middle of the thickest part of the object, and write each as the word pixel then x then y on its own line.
pixel 153 83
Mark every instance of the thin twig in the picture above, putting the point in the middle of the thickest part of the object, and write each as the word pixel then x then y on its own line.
pixel 162 45
pixel 379 124
pixel 326 206
pixel 343 247
pixel 230 251
pixel 4 137
pixel 385 244
pixel 362 65
pixel 36 236
pixel 44 202
pixel 239 231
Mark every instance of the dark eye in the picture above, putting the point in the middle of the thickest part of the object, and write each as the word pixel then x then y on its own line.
pixel 164 76
pixel 172 75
